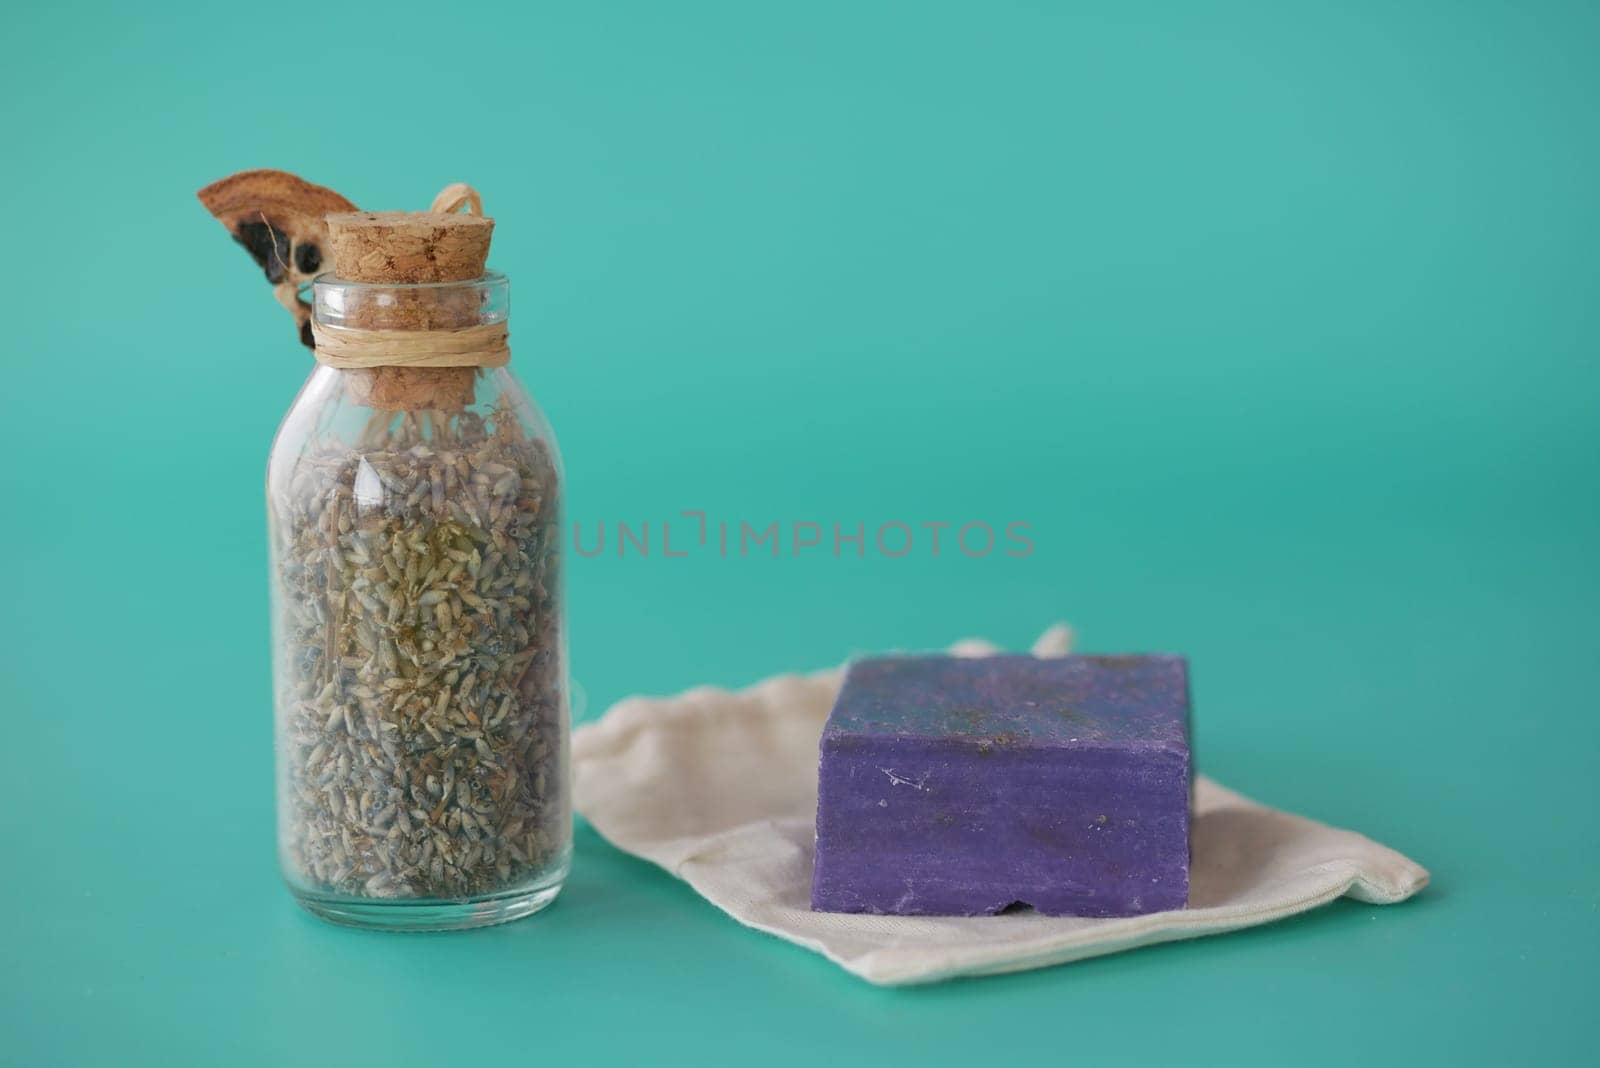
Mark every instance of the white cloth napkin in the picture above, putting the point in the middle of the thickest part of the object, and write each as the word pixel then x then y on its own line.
pixel 720 789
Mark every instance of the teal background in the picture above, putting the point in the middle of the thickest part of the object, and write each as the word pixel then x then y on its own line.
pixel 1275 320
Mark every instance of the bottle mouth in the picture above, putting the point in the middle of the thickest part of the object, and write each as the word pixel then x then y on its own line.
pixel 481 301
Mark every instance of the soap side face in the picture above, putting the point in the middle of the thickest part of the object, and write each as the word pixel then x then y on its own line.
pixel 973 801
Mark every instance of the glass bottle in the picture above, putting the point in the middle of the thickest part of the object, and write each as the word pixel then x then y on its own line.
pixel 419 637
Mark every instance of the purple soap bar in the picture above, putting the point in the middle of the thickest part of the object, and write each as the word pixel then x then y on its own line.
pixel 961 787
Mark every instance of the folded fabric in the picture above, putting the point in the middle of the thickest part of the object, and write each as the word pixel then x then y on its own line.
pixel 720 789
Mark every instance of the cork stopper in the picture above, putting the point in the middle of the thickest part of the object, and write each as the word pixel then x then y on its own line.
pixel 411 248
pixel 401 247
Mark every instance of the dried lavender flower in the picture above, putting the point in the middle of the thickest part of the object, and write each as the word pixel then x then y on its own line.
pixel 422 717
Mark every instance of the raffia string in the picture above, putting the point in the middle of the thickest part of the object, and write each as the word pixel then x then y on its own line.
pixel 483 345
pixel 469 346
pixel 455 196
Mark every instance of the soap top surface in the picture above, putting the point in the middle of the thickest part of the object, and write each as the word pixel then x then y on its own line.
pixel 1011 700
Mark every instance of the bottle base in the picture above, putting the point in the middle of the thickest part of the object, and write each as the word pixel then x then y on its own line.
pixel 402 915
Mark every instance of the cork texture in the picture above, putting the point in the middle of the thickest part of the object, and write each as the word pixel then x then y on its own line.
pixel 412 248
pixel 408 247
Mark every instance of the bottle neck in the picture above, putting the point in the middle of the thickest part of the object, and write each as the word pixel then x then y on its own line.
pixel 411 347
